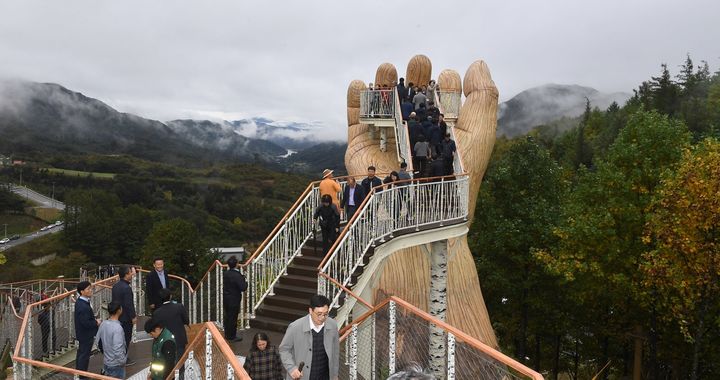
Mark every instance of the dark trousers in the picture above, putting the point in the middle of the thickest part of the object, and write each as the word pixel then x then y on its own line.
pixel 230 320
pixel 350 211
pixel 127 329
pixel 82 360
pixel 328 236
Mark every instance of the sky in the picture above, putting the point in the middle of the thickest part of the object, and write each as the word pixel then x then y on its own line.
pixel 293 60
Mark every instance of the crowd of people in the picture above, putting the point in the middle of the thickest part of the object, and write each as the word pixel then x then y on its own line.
pixel 433 151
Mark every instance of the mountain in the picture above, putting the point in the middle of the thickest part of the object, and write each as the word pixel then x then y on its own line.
pixel 544 104
pixel 45 118
pixel 224 138
pixel 314 159
pixel 290 135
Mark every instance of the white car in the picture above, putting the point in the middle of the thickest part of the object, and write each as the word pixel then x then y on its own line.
pixel 5 240
pixel 59 223
pixel 45 228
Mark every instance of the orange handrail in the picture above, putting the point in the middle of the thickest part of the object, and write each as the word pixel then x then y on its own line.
pixel 348 291
pixel 460 335
pixel 59 368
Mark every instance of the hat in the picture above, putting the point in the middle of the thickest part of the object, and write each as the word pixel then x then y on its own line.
pixel 82 286
pixel 327 173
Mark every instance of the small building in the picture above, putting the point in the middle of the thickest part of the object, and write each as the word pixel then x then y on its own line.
pixel 224 253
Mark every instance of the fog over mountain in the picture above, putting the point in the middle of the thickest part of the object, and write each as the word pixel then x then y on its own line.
pixel 544 104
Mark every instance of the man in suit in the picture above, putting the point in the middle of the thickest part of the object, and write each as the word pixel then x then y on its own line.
pixel 234 285
pixel 174 317
pixel 353 196
pixel 86 326
pixel 370 181
pixel 313 340
pixel 154 281
pixel 122 293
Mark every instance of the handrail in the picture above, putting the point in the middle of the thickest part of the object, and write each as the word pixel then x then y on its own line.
pixel 377 103
pixel 475 343
pixel 458 166
pixel 58 368
pixel 346 290
pixel 401 133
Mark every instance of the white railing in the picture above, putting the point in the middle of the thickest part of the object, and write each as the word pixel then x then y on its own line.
pixel 449 103
pixel 264 269
pixel 402 137
pixel 378 103
pixel 452 100
pixel 395 335
pixel 415 204
pixel 208 356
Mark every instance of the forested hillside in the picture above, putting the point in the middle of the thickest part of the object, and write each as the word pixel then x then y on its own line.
pixel 601 244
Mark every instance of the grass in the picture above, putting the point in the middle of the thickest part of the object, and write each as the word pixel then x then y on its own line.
pixel 19 224
pixel 46 214
pixel 77 173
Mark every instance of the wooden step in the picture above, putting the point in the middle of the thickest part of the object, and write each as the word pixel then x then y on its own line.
pixel 303 270
pixel 294 303
pixel 297 292
pixel 307 260
pixel 279 312
pixel 269 324
pixel 299 281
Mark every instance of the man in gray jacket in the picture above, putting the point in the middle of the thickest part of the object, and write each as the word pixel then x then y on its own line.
pixel 313 340
pixel 110 339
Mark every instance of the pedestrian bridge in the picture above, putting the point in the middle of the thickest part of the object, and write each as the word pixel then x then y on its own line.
pixel 376 339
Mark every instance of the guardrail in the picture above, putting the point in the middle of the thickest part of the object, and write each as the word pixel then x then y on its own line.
pixel 402 137
pixel 407 205
pixel 47 329
pixel 208 356
pixel 449 103
pixel 395 334
pixel 378 103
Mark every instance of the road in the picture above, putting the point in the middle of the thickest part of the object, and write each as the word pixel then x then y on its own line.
pixel 31 236
pixel 41 200
pixel 37 197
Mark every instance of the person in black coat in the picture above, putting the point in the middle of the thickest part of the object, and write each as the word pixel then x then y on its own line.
pixel 156 280
pixel 234 285
pixel 174 317
pixel 371 181
pixel 351 203
pixel 86 326
pixel 329 217
pixel 122 293
pixel 401 90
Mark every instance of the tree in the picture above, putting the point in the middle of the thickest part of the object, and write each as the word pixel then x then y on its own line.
pixel 517 208
pixel 177 242
pixel 600 243
pixel 684 226
pixel 90 223
pixel 664 92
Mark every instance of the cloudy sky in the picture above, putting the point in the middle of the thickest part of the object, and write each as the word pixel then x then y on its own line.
pixel 293 60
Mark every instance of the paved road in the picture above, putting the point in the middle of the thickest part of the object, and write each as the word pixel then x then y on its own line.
pixel 37 197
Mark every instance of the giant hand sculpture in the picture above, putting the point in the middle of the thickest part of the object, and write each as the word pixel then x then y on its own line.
pixel 407 272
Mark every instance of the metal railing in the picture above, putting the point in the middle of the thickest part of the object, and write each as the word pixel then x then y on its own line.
pixel 402 137
pixel 452 100
pixel 395 334
pixel 407 205
pixel 47 329
pixel 449 103
pixel 378 103
pixel 208 356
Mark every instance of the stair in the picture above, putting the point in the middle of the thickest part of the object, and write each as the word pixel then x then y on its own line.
pixel 292 292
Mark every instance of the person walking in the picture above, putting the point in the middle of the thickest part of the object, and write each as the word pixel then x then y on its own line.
pixel 174 317
pixel 86 326
pixel 164 350
pixel 313 340
pixel 329 219
pixel 370 181
pixel 157 279
pixel 448 151
pixel 122 293
pixel 46 319
pixel 422 153
pixel 330 186
pixel 234 285
pixel 353 196
pixel 110 339
pixel 263 362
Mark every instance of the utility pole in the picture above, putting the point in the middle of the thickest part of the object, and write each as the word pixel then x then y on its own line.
pixel 5 230
pixel 53 195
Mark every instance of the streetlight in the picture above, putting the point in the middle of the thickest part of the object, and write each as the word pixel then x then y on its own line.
pixel 5 230
pixel 53 194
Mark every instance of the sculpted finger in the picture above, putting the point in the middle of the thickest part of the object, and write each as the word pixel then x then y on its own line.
pixel 419 70
pixel 386 75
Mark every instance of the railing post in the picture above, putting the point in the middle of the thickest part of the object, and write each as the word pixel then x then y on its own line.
pixel 451 356
pixel 391 345
pixel 372 354
pixel 189 366
pixel 353 353
pixel 417 206
pixel 230 372
pixel 208 355
pixel 441 201
pixel 221 304
pixel 393 215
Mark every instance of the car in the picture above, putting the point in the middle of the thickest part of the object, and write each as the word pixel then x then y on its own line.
pixel 14 237
pixel 5 240
pixel 59 223
pixel 45 228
